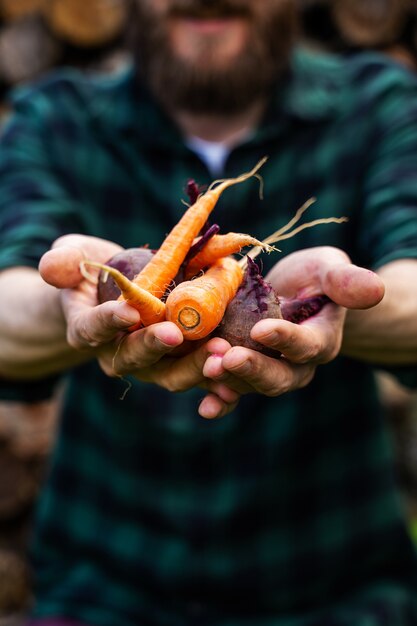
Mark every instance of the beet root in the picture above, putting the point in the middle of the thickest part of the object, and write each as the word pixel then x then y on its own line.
pixel 297 310
pixel 129 262
pixel 257 300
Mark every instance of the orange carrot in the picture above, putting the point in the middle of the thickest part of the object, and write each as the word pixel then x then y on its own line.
pixel 151 309
pixel 217 247
pixel 161 270
pixel 197 306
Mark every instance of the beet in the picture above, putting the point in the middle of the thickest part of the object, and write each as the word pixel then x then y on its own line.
pixel 257 300
pixel 297 310
pixel 129 262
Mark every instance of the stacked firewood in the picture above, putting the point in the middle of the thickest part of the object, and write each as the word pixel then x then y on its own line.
pixel 27 434
pixel 37 35
pixel 389 25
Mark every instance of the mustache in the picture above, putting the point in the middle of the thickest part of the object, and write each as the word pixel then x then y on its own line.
pixel 209 8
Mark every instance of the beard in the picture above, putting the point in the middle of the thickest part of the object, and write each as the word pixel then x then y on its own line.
pixel 203 84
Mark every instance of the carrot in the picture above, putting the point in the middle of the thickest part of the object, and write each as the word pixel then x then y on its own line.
pixel 151 309
pixel 197 306
pixel 161 270
pixel 217 247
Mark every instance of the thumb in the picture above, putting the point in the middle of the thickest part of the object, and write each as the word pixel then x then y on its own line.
pixel 60 266
pixel 353 287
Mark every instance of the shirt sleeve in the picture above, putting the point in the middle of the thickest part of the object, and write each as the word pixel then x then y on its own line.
pixel 388 229
pixel 389 217
pixel 38 202
pixel 39 199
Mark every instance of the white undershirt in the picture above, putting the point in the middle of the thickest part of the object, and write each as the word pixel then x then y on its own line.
pixel 214 154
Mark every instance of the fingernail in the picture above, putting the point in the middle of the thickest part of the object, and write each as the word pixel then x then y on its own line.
pixel 204 411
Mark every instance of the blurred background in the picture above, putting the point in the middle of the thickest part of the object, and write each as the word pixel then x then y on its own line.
pixel 37 36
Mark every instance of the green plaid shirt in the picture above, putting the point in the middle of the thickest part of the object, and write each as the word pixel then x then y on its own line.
pixel 286 512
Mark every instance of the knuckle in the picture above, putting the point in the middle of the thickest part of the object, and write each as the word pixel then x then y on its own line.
pixel 269 384
pixel 307 377
pixel 74 340
pixel 330 352
pixel 79 336
pixel 108 368
pixel 282 382
pixel 272 390
pixel 177 380
pixel 311 351
pixel 170 383
pixel 288 342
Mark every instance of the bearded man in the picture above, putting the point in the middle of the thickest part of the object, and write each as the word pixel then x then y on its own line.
pixel 285 511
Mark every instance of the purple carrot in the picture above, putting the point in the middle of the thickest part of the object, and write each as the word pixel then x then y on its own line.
pixel 199 245
pixel 193 191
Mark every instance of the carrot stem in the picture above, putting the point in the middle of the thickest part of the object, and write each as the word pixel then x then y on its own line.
pixel 161 270
pixel 221 246
pixel 285 233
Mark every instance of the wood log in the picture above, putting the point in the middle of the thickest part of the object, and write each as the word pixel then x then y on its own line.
pixel 87 23
pixel 370 23
pixel 28 428
pixel 27 49
pixel 15 589
pixel 19 485
pixel 12 10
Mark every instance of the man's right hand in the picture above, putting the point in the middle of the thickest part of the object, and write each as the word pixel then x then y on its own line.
pixel 103 329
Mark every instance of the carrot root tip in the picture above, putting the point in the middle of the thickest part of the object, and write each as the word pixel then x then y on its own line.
pixel 86 274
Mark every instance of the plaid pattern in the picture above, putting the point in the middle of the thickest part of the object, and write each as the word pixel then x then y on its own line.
pixel 284 513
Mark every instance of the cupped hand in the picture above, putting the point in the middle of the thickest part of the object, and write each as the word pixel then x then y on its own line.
pixel 300 348
pixel 149 354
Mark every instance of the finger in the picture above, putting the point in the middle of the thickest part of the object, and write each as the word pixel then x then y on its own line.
pixel 187 372
pixel 300 274
pixel 90 327
pixel 214 370
pixel 145 347
pixel 353 287
pixel 213 367
pixel 317 340
pixel 223 392
pixel 60 266
pixel 212 407
pixel 265 375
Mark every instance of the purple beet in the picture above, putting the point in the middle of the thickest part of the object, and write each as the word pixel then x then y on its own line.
pixel 129 262
pixel 256 300
pixel 299 309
